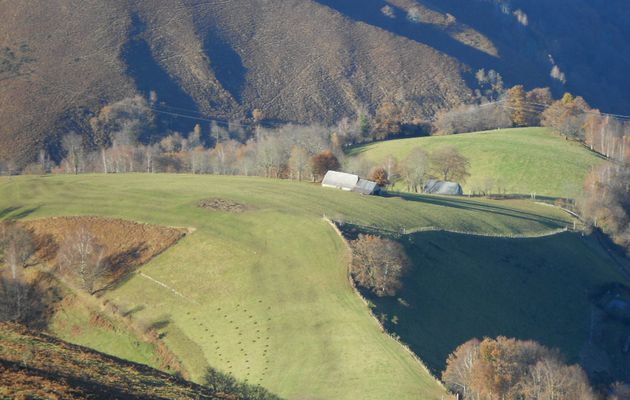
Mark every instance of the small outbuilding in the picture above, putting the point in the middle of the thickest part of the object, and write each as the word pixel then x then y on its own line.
pixel 434 186
pixel 350 183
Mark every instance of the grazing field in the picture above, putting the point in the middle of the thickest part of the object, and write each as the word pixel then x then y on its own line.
pixel 463 286
pixel 263 293
pixel 521 160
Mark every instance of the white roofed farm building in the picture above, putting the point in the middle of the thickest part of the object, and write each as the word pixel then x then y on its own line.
pixel 350 183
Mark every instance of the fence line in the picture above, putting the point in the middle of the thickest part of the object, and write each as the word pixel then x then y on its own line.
pixel 408 231
pixel 406 347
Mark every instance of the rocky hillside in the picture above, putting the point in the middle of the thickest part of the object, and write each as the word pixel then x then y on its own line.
pixel 295 60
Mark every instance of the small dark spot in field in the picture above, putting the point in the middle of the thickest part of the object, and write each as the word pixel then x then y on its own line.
pixel 260 301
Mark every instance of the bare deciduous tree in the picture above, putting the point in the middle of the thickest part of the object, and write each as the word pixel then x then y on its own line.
pixel 16 245
pixel 299 163
pixel 448 164
pixel 82 258
pixel 414 169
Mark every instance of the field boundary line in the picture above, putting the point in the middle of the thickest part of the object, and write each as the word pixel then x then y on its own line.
pixel 367 304
pixel 164 285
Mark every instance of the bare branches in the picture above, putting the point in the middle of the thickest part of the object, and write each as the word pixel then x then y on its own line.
pixel 83 258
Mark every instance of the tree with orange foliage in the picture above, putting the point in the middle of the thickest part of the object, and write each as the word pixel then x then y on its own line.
pixel 322 163
pixel 379 175
pixel 511 369
pixel 378 264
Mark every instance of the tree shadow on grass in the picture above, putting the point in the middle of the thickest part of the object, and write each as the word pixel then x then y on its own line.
pixel 10 212
pixel 479 206
pixel 122 266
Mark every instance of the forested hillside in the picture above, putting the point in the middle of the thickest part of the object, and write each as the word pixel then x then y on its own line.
pixel 302 61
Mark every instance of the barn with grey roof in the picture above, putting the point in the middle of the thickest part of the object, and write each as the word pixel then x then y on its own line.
pixel 350 183
pixel 434 186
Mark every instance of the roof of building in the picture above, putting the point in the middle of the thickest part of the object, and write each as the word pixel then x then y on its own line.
pixel 365 187
pixel 340 180
pixel 434 186
pixel 350 182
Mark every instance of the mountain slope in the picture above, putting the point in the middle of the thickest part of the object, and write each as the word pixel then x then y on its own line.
pixel 35 365
pixel 296 60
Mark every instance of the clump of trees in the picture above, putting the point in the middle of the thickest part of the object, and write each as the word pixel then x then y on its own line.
pixel 606 201
pixel 22 298
pixel 511 369
pixel 495 108
pixel 221 382
pixel 378 264
pixel 82 258
pixel 444 163
pixel 472 118
pixel 448 164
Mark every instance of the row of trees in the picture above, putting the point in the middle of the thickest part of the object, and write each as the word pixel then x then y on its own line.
pixel 293 152
pixel 445 163
pixel 606 201
pixel 573 118
pixel 510 369
pixel 501 109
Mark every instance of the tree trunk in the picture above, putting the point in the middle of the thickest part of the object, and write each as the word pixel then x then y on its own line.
pixel 104 158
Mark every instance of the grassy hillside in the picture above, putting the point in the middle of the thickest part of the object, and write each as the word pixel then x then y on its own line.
pixel 37 366
pixel 263 293
pixel 461 287
pixel 525 160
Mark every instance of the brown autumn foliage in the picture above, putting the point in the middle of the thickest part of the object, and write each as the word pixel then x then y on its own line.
pixel 511 369
pixel 567 116
pixel 322 163
pixel 606 201
pixel 515 103
pixel 378 264
pixel 380 176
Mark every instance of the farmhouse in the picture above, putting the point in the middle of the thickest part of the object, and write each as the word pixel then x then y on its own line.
pixel 434 186
pixel 349 183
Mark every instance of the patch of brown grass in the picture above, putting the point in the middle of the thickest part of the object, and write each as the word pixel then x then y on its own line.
pixel 128 244
pixel 218 204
